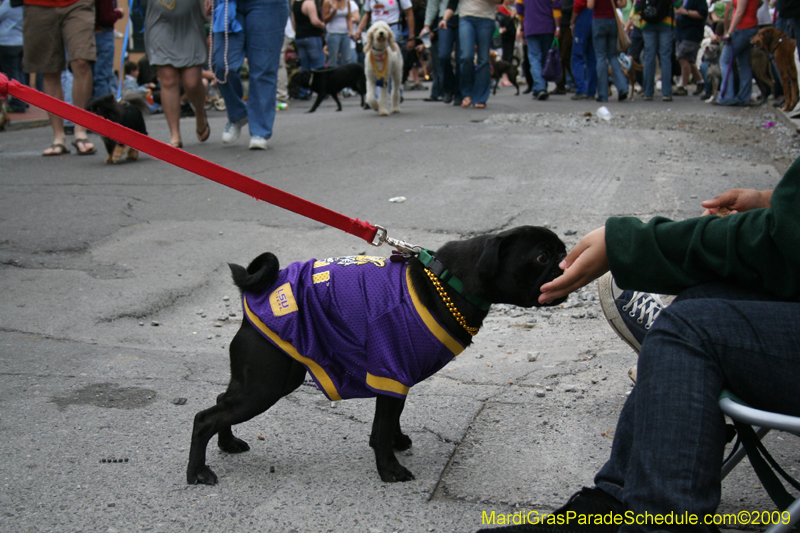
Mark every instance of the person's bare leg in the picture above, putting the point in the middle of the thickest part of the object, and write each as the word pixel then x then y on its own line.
pixel 192 78
pixel 169 77
pixel 81 92
pixel 51 84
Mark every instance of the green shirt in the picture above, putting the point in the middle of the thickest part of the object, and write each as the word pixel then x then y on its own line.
pixel 757 249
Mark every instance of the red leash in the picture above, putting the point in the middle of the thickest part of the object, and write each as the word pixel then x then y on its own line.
pixel 190 162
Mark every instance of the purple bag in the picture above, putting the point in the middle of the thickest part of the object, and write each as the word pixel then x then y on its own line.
pixel 552 65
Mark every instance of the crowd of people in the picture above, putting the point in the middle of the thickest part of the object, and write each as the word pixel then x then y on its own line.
pixel 448 42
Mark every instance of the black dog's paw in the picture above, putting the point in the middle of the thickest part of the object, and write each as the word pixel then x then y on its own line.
pixel 204 476
pixel 233 445
pixel 394 473
pixel 401 442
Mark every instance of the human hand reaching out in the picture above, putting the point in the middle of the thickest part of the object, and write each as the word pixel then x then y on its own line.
pixel 586 262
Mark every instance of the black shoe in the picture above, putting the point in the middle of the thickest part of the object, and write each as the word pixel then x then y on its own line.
pixel 622 97
pixel 542 95
pixel 69 130
pixel 529 90
pixel 594 502
pixel 447 98
pixel 186 110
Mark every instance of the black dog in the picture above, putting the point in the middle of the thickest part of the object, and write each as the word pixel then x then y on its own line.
pixel 129 112
pixel 500 67
pixel 327 318
pixel 330 81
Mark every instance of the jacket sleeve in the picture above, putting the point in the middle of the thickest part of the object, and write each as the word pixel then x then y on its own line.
pixel 758 249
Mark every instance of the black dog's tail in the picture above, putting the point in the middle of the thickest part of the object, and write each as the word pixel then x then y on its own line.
pixel 258 275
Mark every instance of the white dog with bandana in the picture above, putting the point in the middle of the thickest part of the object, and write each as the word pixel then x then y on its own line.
pixel 383 63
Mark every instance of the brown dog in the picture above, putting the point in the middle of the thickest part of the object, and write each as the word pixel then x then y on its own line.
pixel 761 65
pixel 782 49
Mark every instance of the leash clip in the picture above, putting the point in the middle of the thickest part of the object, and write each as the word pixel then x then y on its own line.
pixel 381 237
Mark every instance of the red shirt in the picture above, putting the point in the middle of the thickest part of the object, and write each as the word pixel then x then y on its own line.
pixel 750 19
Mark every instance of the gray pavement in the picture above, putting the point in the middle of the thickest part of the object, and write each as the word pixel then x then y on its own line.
pixel 117 310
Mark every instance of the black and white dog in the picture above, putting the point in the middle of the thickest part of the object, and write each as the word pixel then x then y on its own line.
pixel 366 327
pixel 330 81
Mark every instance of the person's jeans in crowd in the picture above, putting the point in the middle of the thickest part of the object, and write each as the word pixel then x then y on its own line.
pixel 103 68
pixel 338 49
pixel 538 45
pixel 311 53
pixel 670 438
pixel 475 79
pixel 604 35
pixel 263 22
pixel 584 60
pixel 448 43
pixel 657 42
pixel 11 66
pixel 739 50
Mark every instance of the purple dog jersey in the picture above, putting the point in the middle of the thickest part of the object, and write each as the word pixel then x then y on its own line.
pixel 356 324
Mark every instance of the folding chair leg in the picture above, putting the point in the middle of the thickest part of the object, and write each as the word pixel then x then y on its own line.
pixel 794 513
pixel 740 453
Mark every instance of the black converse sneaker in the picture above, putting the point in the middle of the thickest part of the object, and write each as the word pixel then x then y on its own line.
pixel 630 313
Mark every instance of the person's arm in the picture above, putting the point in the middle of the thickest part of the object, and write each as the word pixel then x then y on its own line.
pixel 738 15
pixel 362 25
pixel 328 11
pixel 411 28
pixel 555 7
pixel 757 248
pixel 355 18
pixel 621 3
pixel 727 16
pixel 309 9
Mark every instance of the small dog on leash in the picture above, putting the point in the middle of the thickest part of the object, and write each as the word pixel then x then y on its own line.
pixel 128 112
pixel 711 56
pixel 330 81
pixel 367 327
pixel 383 63
pixel 500 67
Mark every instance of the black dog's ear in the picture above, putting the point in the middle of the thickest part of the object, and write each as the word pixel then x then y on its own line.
pixel 258 275
pixel 489 261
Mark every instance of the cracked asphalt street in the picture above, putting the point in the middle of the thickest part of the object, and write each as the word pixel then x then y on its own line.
pixel 118 307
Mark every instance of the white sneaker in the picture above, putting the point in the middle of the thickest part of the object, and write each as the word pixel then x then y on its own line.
pixel 257 142
pixel 233 130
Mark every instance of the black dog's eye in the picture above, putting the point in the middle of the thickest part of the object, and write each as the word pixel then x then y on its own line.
pixel 543 258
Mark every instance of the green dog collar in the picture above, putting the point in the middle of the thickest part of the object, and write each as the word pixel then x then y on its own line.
pixel 430 262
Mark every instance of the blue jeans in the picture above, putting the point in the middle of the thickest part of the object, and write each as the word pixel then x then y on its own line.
pixel 604 35
pixel 584 61
pixel 263 22
pixel 103 68
pixel 11 66
pixel 738 49
pixel 669 443
pixel 538 45
pixel 657 42
pixel 338 43
pixel 448 43
pixel 475 79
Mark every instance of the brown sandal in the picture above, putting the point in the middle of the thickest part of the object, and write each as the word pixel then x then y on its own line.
pixel 203 135
pixel 56 149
